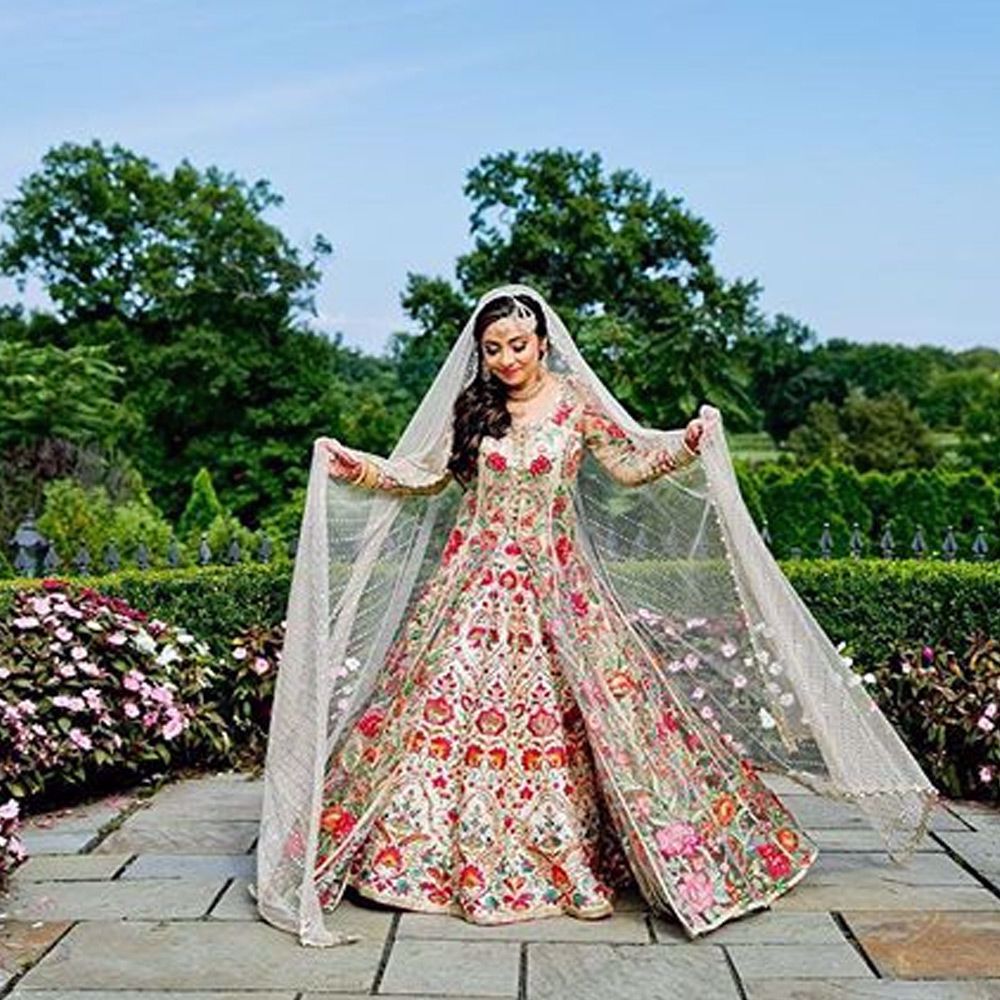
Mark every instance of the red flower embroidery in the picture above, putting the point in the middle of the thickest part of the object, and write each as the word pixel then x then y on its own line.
pixel 440 747
pixel 556 756
pixel 471 878
pixel 540 465
pixel 438 710
pixel 508 579
pixel 531 760
pixel 453 544
pixel 613 429
pixel 491 722
pixel 497 758
pixel 775 860
pixel 512 549
pixel 487 578
pixel 579 602
pixel 337 821
pixel 620 684
pixel 473 756
pixel 564 547
pixel 496 461
pixel 371 722
pixel 667 723
pixel 389 859
pixel 564 410
pixel 541 723
pixel 559 505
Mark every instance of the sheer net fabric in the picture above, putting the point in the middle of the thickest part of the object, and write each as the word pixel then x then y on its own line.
pixel 691 659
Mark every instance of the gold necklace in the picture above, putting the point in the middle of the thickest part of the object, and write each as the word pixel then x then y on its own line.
pixel 540 384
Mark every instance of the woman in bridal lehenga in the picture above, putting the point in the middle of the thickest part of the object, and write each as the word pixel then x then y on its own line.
pixel 540 653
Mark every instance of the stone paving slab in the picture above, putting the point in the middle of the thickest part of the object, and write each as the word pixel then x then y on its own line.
pixel 71 867
pixel 871 868
pixel 20 994
pixel 980 848
pixel 798 961
pixel 929 945
pixel 181 837
pixel 885 896
pixel 152 866
pixel 368 923
pixel 22 943
pixel 110 900
pixel 818 813
pixel 476 968
pixel 220 798
pixel 57 842
pixel 860 839
pixel 864 989
pixel 198 955
pixel 597 972
pixel 759 927
pixel 628 927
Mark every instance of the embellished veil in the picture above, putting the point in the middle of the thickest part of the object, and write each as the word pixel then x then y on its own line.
pixel 701 596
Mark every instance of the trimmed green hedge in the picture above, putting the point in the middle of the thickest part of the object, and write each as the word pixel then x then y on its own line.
pixel 873 605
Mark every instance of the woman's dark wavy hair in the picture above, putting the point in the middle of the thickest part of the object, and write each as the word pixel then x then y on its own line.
pixel 480 408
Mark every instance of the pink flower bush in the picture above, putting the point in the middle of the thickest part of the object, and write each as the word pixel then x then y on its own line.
pixel 92 687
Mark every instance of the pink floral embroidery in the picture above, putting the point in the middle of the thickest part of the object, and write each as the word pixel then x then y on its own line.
pixel 496 461
pixel 697 891
pixel 579 602
pixel 678 838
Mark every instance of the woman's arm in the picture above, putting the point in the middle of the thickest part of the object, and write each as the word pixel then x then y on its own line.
pixel 627 461
pixel 360 468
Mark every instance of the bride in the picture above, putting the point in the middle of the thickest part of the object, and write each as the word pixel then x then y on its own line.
pixel 540 653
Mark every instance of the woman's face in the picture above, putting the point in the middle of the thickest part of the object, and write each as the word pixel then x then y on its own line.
pixel 511 352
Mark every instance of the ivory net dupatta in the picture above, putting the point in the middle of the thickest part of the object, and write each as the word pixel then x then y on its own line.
pixel 698 595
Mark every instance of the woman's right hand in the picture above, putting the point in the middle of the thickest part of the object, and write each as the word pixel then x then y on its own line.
pixel 341 465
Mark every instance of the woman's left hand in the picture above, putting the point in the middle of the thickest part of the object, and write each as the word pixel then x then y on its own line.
pixel 693 433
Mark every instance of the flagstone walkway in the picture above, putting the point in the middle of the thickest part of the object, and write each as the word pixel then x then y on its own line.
pixel 147 898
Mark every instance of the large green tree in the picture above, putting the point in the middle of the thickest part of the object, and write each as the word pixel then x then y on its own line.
pixel 627 265
pixel 201 300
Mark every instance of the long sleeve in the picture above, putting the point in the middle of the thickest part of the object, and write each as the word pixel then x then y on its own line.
pixel 629 462
pixel 399 476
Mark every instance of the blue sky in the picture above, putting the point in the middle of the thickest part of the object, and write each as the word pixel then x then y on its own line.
pixel 847 155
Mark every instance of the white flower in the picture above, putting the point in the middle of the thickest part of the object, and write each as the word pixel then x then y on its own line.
pixel 144 642
pixel 985 724
pixel 706 712
pixel 772 688
pixel 10 809
pixel 775 668
pixel 762 656
pixel 869 678
pixel 697 694
pixel 786 699
pixel 26 621
pixel 63 634
pixel 118 638
pixel 728 649
pixel 739 681
pixel 78 653
pixel 240 653
pixel 694 622
pixel 691 661
pixel 185 638
pixel 991 710
pixel 167 655
pixel 847 660
pixel 352 663
pixel 766 719
pixel 854 680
